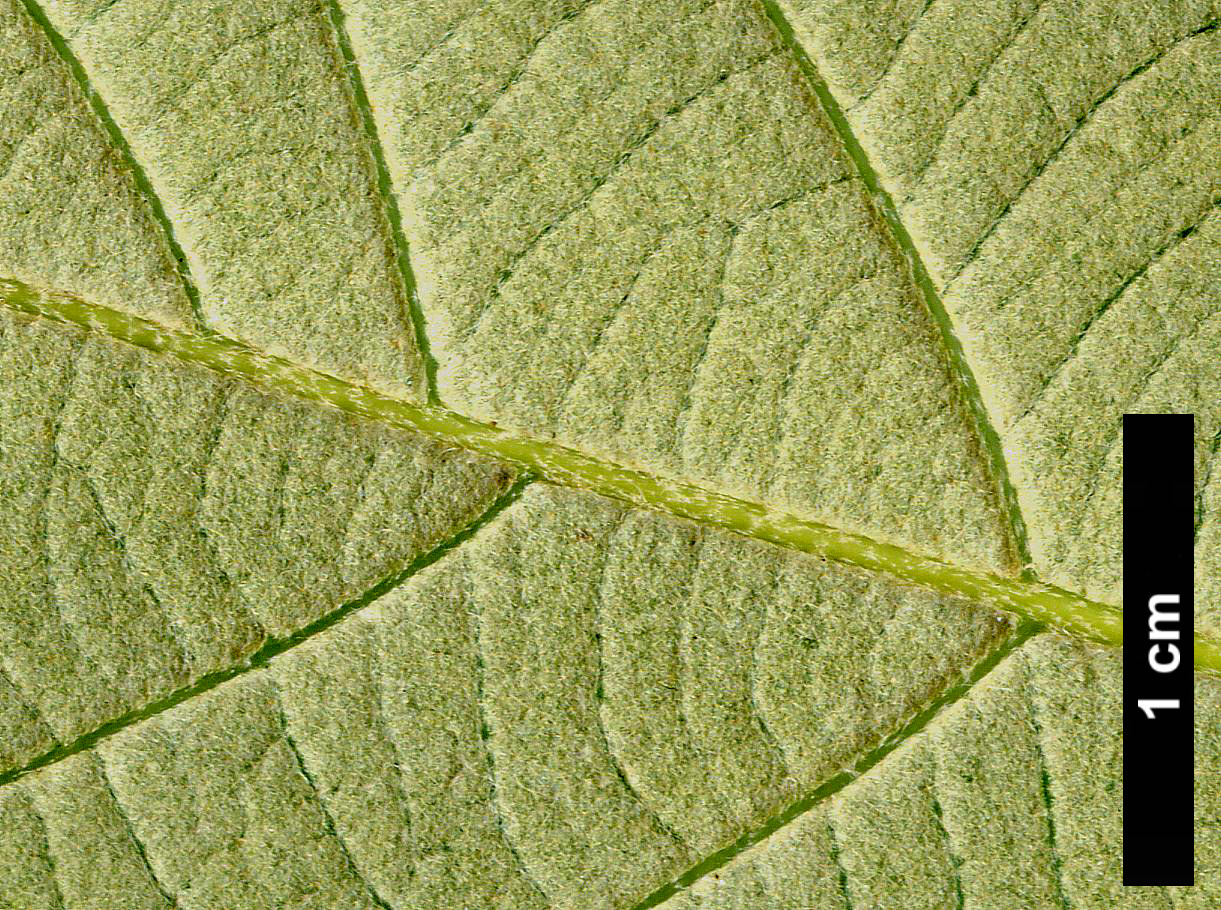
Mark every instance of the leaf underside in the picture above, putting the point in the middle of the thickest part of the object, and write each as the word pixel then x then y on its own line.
pixel 579 454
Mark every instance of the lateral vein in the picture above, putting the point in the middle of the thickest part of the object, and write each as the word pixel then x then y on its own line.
pixel 394 221
pixel 124 151
pixel 988 438
pixel 833 785
pixel 271 648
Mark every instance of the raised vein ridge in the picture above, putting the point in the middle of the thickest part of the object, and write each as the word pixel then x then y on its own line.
pixel 562 466
pixel 988 437
pixel 143 185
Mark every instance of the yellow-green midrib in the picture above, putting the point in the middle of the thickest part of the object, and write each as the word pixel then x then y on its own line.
pixel 563 466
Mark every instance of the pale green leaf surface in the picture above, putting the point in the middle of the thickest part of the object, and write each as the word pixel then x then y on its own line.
pixel 158 523
pixel 267 179
pixel 1208 541
pixel 1011 798
pixel 868 281
pixel 568 711
pixel 1058 166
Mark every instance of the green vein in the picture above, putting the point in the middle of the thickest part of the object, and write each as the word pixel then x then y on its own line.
pixel 556 464
pixel 485 741
pixel 385 189
pixel 1081 123
pixel 988 436
pixel 53 877
pixel 829 788
pixel 143 185
pixel 1057 863
pixel 273 647
pixel 130 829
pixel 841 874
pixel 1213 449
pixel 328 820
pixel 960 900
pixel 1169 247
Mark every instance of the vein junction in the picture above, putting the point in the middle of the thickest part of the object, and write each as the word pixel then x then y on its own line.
pixel 1057 608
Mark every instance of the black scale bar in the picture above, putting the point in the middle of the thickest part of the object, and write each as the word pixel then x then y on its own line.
pixel 1158 714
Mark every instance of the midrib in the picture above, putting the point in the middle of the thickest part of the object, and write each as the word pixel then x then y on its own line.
pixel 562 466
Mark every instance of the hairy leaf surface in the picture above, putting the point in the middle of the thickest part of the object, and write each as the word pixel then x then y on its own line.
pixel 592 453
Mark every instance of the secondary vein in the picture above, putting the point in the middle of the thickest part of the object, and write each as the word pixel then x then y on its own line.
pixel 273 647
pixel 988 437
pixel 385 189
pixel 833 785
pixel 121 147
